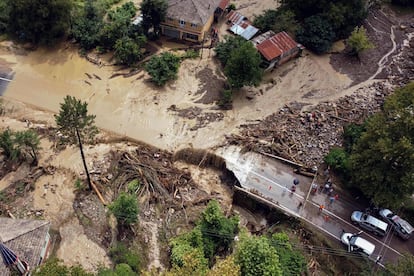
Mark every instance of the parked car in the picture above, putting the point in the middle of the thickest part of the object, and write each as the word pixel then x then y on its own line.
pixel 401 227
pixel 370 223
pixel 357 244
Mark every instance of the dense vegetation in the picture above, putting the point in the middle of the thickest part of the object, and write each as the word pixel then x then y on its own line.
pixel 317 23
pixel 378 157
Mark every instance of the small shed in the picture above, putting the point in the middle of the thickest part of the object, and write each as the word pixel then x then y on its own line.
pixel 240 25
pixel 277 49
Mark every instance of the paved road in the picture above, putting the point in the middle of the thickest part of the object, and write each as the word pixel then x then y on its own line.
pixel 5 79
pixel 273 179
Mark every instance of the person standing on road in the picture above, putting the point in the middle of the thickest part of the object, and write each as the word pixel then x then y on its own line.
pixel 321 207
pixel 331 200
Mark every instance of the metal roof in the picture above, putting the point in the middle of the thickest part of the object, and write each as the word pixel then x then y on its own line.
pixel 276 45
pixel 235 17
pixel 246 32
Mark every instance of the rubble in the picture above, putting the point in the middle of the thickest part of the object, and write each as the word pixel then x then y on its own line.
pixel 306 134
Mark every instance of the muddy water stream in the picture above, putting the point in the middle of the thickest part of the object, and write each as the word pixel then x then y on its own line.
pixel 136 108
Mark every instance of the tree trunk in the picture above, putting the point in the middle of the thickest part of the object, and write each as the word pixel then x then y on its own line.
pixel 34 156
pixel 83 160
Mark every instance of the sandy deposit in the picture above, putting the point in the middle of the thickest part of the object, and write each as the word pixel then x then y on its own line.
pixel 136 108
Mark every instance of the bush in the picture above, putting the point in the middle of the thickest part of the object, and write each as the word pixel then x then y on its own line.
pixel 358 41
pixel 127 51
pixel 163 68
pixel 338 160
pixel 191 54
pixel 133 186
pixel 226 99
pixel 125 209
pixel 120 254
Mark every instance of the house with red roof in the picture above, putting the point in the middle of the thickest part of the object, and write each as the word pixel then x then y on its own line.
pixel 277 48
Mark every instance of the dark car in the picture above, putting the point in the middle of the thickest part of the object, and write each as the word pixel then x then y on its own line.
pixel 401 227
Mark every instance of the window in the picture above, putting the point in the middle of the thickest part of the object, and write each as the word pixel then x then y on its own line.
pixel 191 36
pixel 193 25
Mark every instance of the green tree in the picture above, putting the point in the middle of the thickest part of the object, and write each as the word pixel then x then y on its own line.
pixel 266 20
pixel 316 34
pixel 39 21
pixel 225 48
pixel 86 28
pixel 277 20
pixel 382 160
pixel 76 125
pixel 404 266
pixel 127 51
pixel 358 41
pixel 341 16
pixel 285 21
pixel 4 15
pixel 337 159
pixel 256 256
pixel 120 254
pixel 125 209
pixel 218 230
pixel 185 244
pixel 153 13
pixel 292 261
pixel 163 68
pixel 29 143
pixel 243 66
pixel 193 263
pixel 8 145
pixel 124 270
pixel 226 267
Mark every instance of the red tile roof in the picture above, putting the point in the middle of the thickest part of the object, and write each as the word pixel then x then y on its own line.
pixel 223 4
pixel 276 45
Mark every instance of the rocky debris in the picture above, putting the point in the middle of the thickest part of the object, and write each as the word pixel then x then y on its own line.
pixel 401 69
pixel 91 214
pixel 306 136
pixel 196 113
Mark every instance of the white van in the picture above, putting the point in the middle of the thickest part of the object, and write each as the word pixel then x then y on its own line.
pixel 370 223
pixel 357 244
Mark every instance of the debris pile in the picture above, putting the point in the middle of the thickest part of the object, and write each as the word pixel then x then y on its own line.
pixel 307 136
pixel 153 170
pixel 202 118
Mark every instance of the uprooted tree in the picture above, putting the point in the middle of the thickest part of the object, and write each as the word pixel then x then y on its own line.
pixel 77 126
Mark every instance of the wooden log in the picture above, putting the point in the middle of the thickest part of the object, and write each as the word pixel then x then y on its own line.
pixel 98 193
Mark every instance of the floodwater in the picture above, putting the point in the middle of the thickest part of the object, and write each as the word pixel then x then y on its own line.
pixel 136 108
